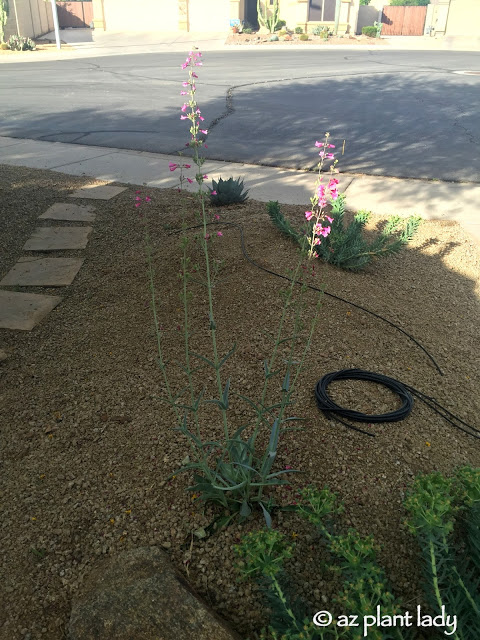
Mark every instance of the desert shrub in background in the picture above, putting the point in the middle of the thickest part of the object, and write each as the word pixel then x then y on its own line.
pixel 304 37
pixel 371 32
pixel 21 43
pixel 346 246
pixel 298 30
pixel 229 191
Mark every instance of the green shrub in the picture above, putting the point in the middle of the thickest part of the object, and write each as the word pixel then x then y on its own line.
pixel 298 30
pixel 364 3
pixel 4 46
pixel 345 246
pixel 280 24
pixel 227 192
pixel 409 3
pixel 247 30
pixel 304 37
pixel 371 32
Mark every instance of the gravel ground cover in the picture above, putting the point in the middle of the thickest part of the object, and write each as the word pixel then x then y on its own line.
pixel 294 38
pixel 87 445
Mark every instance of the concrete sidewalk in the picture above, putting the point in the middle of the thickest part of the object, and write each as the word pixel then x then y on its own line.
pixel 433 200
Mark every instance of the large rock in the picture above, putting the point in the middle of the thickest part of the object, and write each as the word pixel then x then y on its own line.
pixel 138 595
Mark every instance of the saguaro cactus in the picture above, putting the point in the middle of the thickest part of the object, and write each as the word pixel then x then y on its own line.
pixel 3 18
pixel 268 15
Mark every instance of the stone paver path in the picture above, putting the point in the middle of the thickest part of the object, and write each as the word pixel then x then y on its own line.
pixel 24 310
pixel 97 192
pixel 56 238
pixel 43 272
pixel 70 212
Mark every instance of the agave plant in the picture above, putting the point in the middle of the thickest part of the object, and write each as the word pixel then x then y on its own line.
pixel 227 192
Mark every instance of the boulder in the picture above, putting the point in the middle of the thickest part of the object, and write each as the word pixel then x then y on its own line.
pixel 263 31
pixel 138 595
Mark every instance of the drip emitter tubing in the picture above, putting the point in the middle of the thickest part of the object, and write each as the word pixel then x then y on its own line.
pixel 330 295
pixel 404 391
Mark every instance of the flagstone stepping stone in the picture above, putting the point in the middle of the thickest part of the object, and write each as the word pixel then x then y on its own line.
pixel 55 238
pixel 70 212
pixel 24 311
pixel 43 272
pixel 97 192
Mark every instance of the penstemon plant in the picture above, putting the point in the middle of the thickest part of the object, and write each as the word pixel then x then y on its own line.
pixel 234 471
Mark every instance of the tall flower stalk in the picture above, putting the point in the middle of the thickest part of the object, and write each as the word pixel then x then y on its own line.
pixel 235 472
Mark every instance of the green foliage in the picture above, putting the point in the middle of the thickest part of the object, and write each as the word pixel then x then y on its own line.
pixel 409 3
pixel 4 46
pixel 298 30
pixel 16 43
pixel 345 246
pixel 247 30
pixel 364 3
pixel 449 544
pixel 4 11
pixel 321 31
pixel 378 26
pixel 364 582
pixel 228 192
pixel 268 15
pixel 280 24
pixel 371 32
pixel 304 37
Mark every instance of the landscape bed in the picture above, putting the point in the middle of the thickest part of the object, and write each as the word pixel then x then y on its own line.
pixel 87 445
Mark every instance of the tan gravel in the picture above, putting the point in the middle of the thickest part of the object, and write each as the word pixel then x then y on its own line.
pixel 87 445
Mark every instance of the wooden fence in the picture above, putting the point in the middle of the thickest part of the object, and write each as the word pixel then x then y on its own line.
pixel 403 21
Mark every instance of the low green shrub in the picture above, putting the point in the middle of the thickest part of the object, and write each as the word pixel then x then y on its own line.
pixel 298 30
pixel 365 585
pixel 304 37
pixel 227 192
pixel 4 46
pixel 280 24
pixel 247 30
pixel 445 518
pixel 345 246
pixel 371 32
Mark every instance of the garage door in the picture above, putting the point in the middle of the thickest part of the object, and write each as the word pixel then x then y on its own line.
pixel 141 15
pixel 215 17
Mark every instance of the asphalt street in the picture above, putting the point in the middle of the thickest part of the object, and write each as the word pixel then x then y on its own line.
pixel 401 113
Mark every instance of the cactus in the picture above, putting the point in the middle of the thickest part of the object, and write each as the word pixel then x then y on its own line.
pixel 268 18
pixel 4 10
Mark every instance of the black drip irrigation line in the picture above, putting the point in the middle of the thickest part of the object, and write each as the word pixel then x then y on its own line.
pixel 330 295
pixel 404 391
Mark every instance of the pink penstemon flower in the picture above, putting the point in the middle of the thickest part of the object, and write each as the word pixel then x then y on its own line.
pixel 317 216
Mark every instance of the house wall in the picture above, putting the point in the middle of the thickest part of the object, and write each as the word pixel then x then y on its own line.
pixel 463 18
pixel 35 18
pixel 295 12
